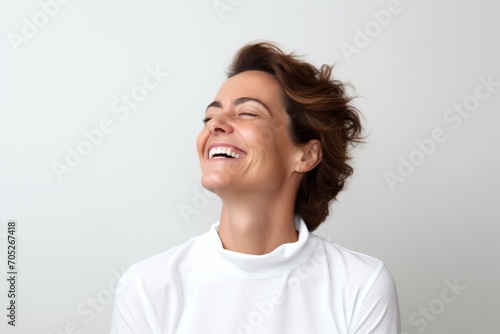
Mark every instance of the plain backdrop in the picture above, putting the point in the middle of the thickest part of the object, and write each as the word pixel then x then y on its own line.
pixel 424 196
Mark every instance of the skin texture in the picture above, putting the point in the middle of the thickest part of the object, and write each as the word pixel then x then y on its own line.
pixel 257 188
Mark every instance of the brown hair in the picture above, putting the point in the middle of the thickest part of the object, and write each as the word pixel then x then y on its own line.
pixel 319 108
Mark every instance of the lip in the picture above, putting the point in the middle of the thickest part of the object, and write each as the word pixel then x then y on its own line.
pixel 234 148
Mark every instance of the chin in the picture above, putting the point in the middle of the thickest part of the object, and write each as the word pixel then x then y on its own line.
pixel 215 182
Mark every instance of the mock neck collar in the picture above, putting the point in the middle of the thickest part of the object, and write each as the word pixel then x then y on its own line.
pixel 282 259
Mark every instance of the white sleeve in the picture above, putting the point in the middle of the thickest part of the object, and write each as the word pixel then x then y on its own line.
pixel 379 311
pixel 131 313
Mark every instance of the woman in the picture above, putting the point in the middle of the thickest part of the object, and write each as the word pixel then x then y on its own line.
pixel 274 148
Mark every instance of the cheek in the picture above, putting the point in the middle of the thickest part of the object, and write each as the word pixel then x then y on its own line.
pixel 268 134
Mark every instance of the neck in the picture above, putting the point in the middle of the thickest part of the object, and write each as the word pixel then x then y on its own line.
pixel 257 225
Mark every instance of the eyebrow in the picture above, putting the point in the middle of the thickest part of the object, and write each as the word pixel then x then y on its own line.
pixel 240 100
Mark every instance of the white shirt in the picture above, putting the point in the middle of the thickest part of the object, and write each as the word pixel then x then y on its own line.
pixel 309 286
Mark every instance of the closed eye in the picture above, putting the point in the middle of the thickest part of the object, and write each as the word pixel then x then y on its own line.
pixel 244 114
pixel 247 114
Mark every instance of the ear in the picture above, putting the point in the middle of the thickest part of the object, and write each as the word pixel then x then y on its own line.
pixel 311 155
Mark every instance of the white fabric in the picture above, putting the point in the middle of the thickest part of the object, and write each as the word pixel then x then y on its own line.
pixel 309 286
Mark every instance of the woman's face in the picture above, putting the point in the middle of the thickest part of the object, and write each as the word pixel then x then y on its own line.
pixel 245 144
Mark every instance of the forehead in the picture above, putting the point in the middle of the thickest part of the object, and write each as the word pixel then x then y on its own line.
pixel 256 84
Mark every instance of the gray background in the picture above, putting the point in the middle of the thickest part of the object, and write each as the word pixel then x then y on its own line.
pixel 137 193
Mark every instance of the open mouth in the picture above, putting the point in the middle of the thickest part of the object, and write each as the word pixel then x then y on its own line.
pixel 222 152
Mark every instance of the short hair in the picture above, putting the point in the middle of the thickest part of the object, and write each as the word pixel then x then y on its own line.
pixel 319 108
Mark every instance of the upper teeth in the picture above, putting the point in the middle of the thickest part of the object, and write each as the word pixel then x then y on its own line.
pixel 222 150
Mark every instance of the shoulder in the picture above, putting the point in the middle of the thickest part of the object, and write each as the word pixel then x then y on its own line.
pixel 355 270
pixel 366 284
pixel 346 259
pixel 167 258
pixel 154 270
pixel 136 295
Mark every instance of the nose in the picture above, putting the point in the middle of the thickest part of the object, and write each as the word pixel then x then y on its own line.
pixel 219 124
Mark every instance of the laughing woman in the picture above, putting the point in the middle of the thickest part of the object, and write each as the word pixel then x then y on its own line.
pixel 275 148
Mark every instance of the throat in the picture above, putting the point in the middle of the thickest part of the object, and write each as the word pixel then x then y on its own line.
pixel 256 234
